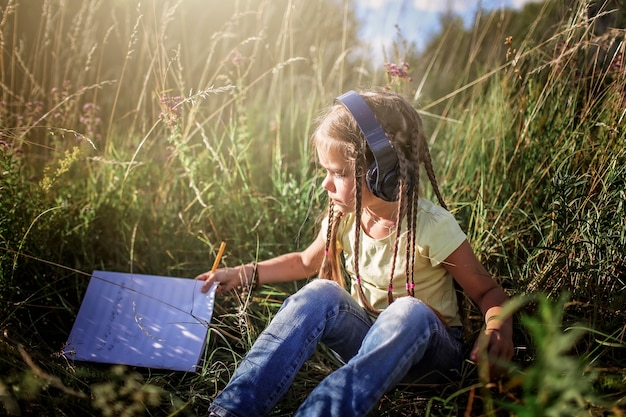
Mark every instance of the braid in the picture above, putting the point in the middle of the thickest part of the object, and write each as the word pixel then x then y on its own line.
pixel 428 165
pixel 395 248
pixel 331 266
pixel 326 270
pixel 331 215
pixel 358 173
pixel 414 151
pixel 410 245
pixel 404 211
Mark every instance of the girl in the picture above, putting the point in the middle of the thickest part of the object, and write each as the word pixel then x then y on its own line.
pixel 398 255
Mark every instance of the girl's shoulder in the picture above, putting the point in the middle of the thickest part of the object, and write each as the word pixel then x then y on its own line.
pixel 427 207
pixel 430 213
pixel 436 225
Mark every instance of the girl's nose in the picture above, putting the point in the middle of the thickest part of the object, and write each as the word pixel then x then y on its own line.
pixel 327 184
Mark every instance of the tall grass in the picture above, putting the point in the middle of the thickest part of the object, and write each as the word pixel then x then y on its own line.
pixel 138 137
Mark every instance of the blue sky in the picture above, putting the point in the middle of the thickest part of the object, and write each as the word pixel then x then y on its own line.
pixel 417 19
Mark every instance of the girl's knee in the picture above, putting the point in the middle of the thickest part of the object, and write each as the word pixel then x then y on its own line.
pixel 408 304
pixel 411 310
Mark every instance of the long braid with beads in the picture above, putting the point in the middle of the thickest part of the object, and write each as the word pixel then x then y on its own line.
pixel 330 268
pixel 428 166
pixel 358 172
pixel 404 196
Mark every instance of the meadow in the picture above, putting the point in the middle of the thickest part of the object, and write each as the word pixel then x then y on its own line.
pixel 135 137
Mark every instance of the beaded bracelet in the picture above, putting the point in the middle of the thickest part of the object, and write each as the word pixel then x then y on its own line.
pixel 254 281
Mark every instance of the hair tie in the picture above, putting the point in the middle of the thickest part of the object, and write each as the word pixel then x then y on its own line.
pixel 410 286
pixel 325 251
pixel 390 288
pixel 358 280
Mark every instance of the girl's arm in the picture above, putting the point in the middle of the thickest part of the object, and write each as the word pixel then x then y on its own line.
pixel 489 296
pixel 288 267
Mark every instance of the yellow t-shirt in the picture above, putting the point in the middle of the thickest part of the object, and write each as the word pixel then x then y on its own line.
pixel 438 235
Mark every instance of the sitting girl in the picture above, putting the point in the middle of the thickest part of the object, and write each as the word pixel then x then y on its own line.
pixel 388 263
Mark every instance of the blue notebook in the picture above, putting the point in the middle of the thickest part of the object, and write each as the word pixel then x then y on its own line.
pixel 141 320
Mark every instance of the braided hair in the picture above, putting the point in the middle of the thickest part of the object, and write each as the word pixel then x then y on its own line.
pixel 337 129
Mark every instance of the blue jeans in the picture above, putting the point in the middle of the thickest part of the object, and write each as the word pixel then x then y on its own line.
pixel 406 338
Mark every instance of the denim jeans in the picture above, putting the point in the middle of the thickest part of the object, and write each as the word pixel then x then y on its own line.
pixel 377 354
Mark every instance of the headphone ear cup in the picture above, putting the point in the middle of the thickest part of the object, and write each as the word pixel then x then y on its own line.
pixel 388 188
pixel 384 188
pixel 371 177
pixel 382 176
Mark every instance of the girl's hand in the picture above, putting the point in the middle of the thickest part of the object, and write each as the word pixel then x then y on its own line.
pixel 227 278
pixel 493 348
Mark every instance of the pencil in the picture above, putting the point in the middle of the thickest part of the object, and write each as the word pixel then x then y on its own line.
pixel 218 258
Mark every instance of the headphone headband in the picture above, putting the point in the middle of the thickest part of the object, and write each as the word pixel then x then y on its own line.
pixel 382 176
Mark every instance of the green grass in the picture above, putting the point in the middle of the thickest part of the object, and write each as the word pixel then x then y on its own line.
pixel 139 138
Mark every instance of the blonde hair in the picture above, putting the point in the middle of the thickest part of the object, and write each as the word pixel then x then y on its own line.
pixel 337 129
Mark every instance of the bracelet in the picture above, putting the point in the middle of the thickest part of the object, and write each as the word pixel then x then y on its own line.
pixel 254 281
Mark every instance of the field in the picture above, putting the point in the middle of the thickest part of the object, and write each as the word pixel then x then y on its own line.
pixel 137 137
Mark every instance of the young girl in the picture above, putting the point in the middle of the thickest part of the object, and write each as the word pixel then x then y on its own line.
pixel 388 262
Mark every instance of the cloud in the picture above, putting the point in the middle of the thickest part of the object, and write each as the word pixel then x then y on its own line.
pixel 374 4
pixel 458 6
pixel 518 4
pixel 421 5
pixel 438 6
pixel 418 19
pixel 461 6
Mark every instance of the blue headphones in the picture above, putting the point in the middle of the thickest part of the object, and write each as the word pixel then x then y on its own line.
pixel 382 176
